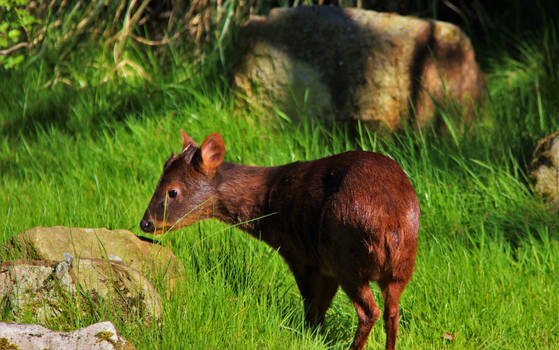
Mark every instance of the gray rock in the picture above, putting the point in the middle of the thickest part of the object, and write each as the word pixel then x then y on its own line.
pixel 49 290
pixel 99 336
pixel 355 64
pixel 156 262
pixel 545 168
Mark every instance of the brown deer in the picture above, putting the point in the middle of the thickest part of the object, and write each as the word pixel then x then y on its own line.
pixel 343 220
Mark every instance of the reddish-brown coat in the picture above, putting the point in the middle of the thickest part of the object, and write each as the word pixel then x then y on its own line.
pixel 344 220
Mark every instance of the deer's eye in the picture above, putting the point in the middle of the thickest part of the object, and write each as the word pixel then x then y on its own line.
pixel 172 193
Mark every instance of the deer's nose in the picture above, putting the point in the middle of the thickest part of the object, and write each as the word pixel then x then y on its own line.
pixel 147 226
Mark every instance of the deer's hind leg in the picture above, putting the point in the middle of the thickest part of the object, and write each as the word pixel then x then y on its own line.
pixel 317 291
pixel 391 292
pixel 367 311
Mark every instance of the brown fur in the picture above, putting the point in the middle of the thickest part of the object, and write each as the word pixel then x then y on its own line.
pixel 340 221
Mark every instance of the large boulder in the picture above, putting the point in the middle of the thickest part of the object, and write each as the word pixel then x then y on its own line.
pixel 51 243
pixel 355 64
pixel 545 168
pixel 48 290
pixel 98 336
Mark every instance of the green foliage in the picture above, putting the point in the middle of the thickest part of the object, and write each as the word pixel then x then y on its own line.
pixel 16 22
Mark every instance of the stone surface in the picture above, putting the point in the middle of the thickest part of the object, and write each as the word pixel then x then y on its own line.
pixel 49 289
pixel 545 168
pixel 270 78
pixel 34 285
pixel 355 64
pixel 51 243
pixel 126 286
pixel 98 336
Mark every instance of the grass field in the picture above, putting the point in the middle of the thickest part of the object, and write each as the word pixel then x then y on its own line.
pixel 78 149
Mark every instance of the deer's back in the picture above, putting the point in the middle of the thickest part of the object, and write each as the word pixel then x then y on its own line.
pixel 357 203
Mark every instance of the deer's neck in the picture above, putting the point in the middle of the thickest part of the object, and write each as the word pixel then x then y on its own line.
pixel 242 193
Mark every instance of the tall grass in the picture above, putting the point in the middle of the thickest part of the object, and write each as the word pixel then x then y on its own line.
pixel 78 149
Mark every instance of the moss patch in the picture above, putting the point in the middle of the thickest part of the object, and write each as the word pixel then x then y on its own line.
pixel 6 345
pixel 105 336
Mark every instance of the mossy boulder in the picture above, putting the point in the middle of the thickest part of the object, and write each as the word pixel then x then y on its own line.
pixel 156 262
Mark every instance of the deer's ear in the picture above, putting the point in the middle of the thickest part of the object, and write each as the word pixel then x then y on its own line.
pixel 187 140
pixel 213 152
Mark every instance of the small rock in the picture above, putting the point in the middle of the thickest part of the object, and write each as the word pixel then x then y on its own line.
pixel 68 257
pixel 115 258
pixel 98 336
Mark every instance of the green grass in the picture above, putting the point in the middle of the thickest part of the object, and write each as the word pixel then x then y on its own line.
pixel 88 152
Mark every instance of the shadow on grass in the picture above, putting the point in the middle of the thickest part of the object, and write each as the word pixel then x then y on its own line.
pixel 75 111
